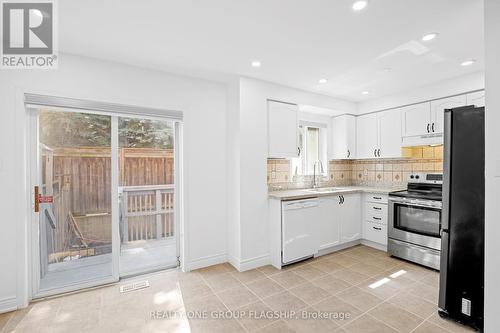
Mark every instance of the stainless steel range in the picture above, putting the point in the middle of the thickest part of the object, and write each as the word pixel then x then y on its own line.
pixel 415 220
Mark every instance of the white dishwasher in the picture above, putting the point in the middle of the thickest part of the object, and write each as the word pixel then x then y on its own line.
pixel 298 229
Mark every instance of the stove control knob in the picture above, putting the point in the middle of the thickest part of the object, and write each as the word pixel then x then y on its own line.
pixel 412 176
pixel 417 177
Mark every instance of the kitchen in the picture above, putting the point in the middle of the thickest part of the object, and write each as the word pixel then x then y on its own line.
pixel 392 210
pixel 324 167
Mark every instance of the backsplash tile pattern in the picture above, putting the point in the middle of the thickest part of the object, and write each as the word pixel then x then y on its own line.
pixel 382 173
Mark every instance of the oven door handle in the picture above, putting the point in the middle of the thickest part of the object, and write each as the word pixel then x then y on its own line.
pixel 415 204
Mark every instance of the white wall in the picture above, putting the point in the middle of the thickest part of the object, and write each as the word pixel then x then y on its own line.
pixel 252 220
pixel 492 247
pixel 233 172
pixel 204 106
pixel 455 86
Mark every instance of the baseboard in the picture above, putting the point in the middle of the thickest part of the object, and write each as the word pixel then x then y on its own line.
pixel 374 245
pixel 8 304
pixel 205 262
pixel 235 262
pixel 254 262
pixel 337 248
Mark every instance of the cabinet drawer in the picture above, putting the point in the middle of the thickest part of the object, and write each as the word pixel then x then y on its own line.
pixel 377 198
pixel 375 209
pixel 376 219
pixel 376 232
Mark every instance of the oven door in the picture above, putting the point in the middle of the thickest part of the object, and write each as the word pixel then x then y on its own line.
pixel 415 221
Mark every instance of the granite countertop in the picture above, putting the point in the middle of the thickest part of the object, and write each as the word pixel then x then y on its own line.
pixel 308 193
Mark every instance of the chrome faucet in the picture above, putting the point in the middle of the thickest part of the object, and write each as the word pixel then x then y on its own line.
pixel 315 181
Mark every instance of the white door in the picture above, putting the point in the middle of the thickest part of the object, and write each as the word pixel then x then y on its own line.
pixel 282 130
pixel 389 133
pixel 344 137
pixel 476 98
pixel 350 227
pixel 416 119
pixel 328 222
pixel 438 107
pixel 366 136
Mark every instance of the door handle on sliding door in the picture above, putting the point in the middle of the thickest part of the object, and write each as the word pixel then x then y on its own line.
pixel 37 195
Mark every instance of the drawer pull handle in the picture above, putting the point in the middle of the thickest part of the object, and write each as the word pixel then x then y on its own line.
pixel 377 228
pixel 377 208
pixel 377 218
pixel 377 198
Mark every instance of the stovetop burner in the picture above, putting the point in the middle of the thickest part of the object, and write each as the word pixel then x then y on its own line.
pixel 428 187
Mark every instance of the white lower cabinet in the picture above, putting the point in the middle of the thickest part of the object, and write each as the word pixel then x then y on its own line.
pixel 339 220
pixel 350 218
pixel 375 218
pixel 375 232
pixel 328 222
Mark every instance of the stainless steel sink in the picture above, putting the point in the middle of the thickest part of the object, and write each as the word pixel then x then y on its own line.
pixel 325 189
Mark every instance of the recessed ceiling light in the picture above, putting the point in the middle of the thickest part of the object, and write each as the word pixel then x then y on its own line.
pixel 429 37
pixel 256 63
pixel 365 92
pixel 359 5
pixel 323 81
pixel 468 62
pixel 387 69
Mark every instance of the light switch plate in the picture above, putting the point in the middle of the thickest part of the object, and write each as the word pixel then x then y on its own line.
pixel 497 168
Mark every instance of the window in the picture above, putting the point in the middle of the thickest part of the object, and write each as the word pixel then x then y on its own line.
pixel 313 149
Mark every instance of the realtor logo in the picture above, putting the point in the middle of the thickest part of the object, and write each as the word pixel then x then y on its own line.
pixel 28 35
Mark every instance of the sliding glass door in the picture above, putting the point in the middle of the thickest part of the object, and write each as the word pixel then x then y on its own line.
pixel 74 169
pixel 104 198
pixel 147 223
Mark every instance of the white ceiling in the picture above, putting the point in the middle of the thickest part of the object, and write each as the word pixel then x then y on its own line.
pixel 297 41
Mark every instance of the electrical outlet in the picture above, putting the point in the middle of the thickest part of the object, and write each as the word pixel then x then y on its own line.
pixel 273 174
pixel 365 172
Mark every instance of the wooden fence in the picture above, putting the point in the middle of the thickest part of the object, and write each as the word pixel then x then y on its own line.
pixel 81 184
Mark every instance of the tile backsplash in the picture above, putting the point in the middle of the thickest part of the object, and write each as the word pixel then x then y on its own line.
pixel 372 172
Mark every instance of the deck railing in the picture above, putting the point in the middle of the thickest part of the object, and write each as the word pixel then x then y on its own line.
pixel 147 212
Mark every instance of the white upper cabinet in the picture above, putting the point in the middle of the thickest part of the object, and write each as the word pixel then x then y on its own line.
pixel 282 130
pixel 389 134
pixel 437 111
pixel 476 98
pixel 366 136
pixel 379 135
pixel 416 119
pixel 343 137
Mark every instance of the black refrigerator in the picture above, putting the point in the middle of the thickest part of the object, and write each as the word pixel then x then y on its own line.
pixel 461 286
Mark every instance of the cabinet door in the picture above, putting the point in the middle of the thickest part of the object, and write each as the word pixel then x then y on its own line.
pixel 328 233
pixel 350 225
pixel 416 119
pixel 366 136
pixel 343 137
pixel 476 98
pixel 282 130
pixel 389 133
pixel 438 107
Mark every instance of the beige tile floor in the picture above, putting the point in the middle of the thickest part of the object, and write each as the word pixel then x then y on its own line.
pixel 359 290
